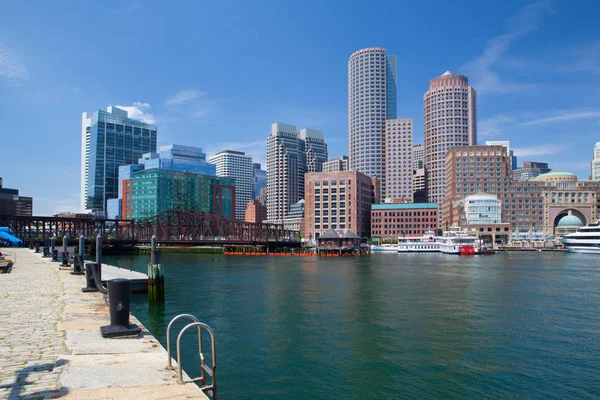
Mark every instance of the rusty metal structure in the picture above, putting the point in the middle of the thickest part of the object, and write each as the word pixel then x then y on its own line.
pixel 176 227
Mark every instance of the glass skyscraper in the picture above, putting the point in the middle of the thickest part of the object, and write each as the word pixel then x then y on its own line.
pixel 110 139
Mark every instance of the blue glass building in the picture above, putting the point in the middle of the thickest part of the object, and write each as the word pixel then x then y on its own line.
pixel 259 179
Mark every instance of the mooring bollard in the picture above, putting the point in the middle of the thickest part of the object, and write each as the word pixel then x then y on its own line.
pixel 156 280
pixel 89 278
pixel 37 247
pixel 46 252
pixel 30 245
pixel 78 259
pixel 99 249
pixel 53 251
pixel 119 295
pixel 65 252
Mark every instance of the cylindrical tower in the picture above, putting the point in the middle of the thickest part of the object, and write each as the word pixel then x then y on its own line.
pixel 367 110
pixel 450 115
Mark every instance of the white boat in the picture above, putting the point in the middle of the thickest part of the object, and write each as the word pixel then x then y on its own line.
pixel 585 240
pixel 455 241
pixel 419 244
pixel 385 248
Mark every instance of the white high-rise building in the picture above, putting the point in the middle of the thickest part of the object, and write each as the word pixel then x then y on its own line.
pixel 236 165
pixel 418 156
pixel 289 156
pixel 371 101
pixel 336 164
pixel 505 143
pixel 450 111
pixel 398 170
pixel 596 163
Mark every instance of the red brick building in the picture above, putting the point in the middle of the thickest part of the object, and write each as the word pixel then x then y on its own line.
pixel 392 220
pixel 255 212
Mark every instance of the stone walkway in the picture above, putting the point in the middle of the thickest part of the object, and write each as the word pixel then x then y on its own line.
pixel 50 343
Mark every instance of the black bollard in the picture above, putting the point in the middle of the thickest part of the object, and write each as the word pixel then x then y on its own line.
pixel 78 259
pixel 37 247
pixel 53 249
pixel 55 255
pixel 89 278
pixel 119 295
pixel 64 259
pixel 46 252
pixel 30 245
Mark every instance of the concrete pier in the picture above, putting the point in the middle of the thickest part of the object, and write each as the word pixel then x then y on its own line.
pixel 50 342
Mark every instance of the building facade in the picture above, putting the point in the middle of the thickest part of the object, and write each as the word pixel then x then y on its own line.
pixel 11 203
pixel 259 179
pixel 371 101
pixel 109 139
pixel 418 156
pixel 392 220
pixel 450 113
pixel 530 170
pixel 287 155
pixel 511 153
pixel 154 191
pixel 530 209
pixel 339 200
pixel 256 212
pixel 236 165
pixel 398 167
pixel 336 164
pixel 596 163
pixel 294 221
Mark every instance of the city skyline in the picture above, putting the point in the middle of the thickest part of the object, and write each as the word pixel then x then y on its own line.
pixel 527 93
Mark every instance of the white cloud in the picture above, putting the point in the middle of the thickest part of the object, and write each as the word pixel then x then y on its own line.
pixel 543 150
pixel 482 70
pixel 564 116
pixel 493 126
pixel 256 149
pixel 138 111
pixel 183 96
pixel 11 66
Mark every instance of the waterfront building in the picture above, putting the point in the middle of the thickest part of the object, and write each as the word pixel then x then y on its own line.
pixel 256 212
pixel 596 163
pixel 568 224
pixel 11 203
pixel 392 220
pixel 530 170
pixel 259 180
pixel 295 219
pixel 262 197
pixel 236 165
pixel 531 208
pixel 398 166
pixel 419 186
pixel 114 208
pixel 287 154
pixel 336 164
pixel 450 112
pixel 511 153
pixel 339 200
pixel 418 156
pixel 156 190
pixel 109 139
pixel 372 83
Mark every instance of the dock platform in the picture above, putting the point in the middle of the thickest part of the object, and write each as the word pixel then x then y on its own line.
pixel 139 281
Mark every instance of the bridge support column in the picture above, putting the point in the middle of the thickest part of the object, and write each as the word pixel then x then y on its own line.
pixel 156 279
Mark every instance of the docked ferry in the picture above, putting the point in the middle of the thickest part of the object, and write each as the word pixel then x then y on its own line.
pixel 420 244
pixel 457 242
pixel 585 240
pixel 384 248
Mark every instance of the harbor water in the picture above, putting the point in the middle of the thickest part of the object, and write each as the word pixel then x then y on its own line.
pixel 388 326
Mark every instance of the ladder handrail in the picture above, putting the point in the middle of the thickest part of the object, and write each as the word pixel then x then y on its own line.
pixel 213 386
pixel 189 316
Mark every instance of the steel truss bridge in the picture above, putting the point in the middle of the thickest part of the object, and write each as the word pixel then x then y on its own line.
pixel 177 227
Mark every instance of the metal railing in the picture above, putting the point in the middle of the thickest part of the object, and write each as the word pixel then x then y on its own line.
pixel 205 370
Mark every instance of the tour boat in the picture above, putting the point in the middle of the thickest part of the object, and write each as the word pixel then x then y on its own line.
pixel 585 240
pixel 384 248
pixel 418 244
pixel 455 241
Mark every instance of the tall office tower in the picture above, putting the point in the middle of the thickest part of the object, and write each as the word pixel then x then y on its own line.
pixel 418 156
pixel 287 156
pixel 259 179
pixel 596 163
pixel 236 165
pixel 511 153
pixel 371 100
pixel 398 168
pixel 314 148
pixel 336 164
pixel 530 170
pixel 109 139
pixel 450 111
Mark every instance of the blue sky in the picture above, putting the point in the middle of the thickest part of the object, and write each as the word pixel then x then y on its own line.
pixel 217 74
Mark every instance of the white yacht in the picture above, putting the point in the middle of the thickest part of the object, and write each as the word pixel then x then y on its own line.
pixel 585 240
pixel 384 248
pixel 422 244
pixel 455 241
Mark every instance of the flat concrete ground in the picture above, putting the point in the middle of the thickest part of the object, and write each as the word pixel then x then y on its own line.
pixel 51 347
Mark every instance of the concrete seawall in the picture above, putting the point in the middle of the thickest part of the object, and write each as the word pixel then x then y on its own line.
pixel 50 342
